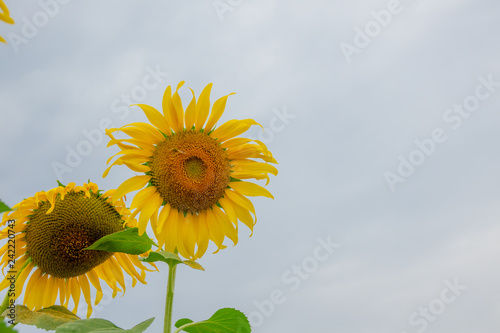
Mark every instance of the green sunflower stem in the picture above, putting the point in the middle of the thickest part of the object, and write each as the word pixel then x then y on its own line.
pixel 172 268
pixel 5 303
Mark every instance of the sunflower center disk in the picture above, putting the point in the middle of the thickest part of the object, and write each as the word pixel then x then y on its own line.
pixel 190 170
pixel 56 241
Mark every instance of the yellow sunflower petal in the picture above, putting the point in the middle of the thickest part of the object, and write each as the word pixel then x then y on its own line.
pixel 203 107
pixel 189 236
pixel 229 209
pixel 177 105
pixel 62 290
pixel 127 265
pixel 167 107
pixel 48 291
pixel 250 189
pixel 217 111
pixel 183 251
pixel 256 176
pixel 203 235
pixel 5 16
pixel 156 118
pixel 153 220
pixel 117 272
pixel 148 209
pixel 142 196
pixel 245 217
pixel 104 273
pixel 141 144
pixel 249 166
pixel 163 217
pixel 84 283
pixel 75 290
pixel 173 114
pixel 223 129
pixel 94 279
pixel 225 224
pixel 240 200
pixel 132 184
pixel 131 153
pixel 215 232
pixel 38 291
pixel 231 129
pixel 136 167
pixel 21 279
pixel 190 116
pixel 28 295
pixel 148 133
pixel 170 230
pixel 235 142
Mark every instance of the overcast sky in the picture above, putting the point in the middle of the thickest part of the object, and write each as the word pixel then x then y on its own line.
pixel 383 115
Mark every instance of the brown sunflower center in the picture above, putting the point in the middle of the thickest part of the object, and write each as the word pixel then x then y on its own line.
pixel 190 170
pixel 56 241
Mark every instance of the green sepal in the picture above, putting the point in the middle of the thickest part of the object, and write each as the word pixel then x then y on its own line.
pixel 60 184
pixel 171 259
pixel 48 318
pixel 225 320
pixel 101 326
pixel 125 241
pixel 4 207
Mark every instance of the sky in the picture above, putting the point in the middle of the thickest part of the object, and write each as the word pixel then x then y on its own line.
pixel 383 116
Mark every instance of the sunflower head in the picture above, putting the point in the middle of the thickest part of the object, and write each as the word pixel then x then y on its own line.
pixel 52 230
pixel 194 185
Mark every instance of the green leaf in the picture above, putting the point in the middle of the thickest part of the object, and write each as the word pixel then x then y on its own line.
pixel 4 328
pixel 225 320
pixel 4 207
pixel 101 326
pixel 126 241
pixel 194 265
pixel 141 327
pixel 168 257
pixel 48 318
pixel 171 259
pixel 86 325
pixel 182 322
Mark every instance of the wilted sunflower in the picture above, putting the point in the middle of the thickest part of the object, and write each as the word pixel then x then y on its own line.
pixel 5 16
pixel 51 230
pixel 194 171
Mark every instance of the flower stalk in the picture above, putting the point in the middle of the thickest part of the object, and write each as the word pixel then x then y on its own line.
pixel 172 268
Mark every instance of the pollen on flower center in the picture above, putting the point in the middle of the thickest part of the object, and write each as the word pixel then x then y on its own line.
pixel 56 241
pixel 195 168
pixel 190 171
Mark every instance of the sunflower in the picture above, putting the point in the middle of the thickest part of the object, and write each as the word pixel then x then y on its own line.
pixel 194 188
pixel 5 16
pixel 50 231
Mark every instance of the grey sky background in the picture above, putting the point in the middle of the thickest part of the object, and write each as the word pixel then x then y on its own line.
pixel 350 121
